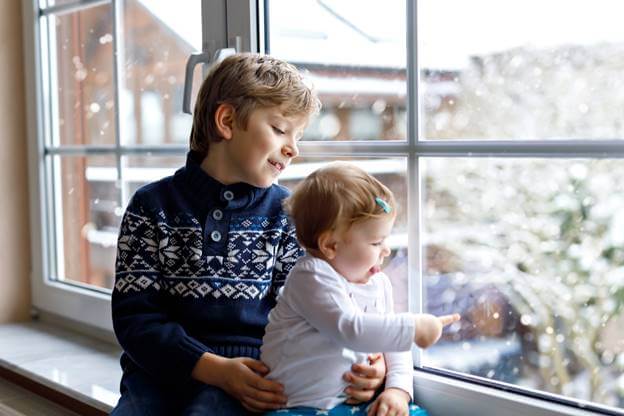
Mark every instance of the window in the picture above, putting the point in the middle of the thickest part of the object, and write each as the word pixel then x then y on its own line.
pixel 501 139
pixel 510 167
pixel 109 89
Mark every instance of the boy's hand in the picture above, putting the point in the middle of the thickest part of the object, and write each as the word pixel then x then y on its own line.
pixel 391 402
pixel 242 378
pixel 429 328
pixel 365 379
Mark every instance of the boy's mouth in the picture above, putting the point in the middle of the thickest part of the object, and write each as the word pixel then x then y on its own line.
pixel 277 165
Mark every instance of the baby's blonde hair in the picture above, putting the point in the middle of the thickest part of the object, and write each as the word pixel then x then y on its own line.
pixel 334 198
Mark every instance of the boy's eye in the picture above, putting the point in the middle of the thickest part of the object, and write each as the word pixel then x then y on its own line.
pixel 378 243
pixel 278 131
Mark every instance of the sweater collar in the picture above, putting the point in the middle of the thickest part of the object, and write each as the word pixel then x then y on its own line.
pixel 207 191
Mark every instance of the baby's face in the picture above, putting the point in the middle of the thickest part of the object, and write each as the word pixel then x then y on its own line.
pixel 360 251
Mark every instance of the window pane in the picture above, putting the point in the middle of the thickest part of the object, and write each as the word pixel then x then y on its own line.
pixel 159 36
pixel 530 252
pixel 499 78
pixel 86 215
pixel 354 53
pixel 392 173
pixel 81 75
pixel 141 170
pixel 87 212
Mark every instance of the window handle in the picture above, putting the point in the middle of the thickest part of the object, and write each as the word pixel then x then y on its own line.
pixel 193 60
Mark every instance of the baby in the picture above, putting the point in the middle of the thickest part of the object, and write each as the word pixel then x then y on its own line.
pixel 336 306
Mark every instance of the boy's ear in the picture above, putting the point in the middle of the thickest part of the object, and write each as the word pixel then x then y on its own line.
pixel 327 244
pixel 224 120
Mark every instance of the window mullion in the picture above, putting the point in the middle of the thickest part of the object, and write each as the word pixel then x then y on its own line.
pixel 214 25
pixel 524 148
pixel 67 8
pixel 121 150
pixel 118 55
pixel 414 249
pixel 353 148
pixel 242 25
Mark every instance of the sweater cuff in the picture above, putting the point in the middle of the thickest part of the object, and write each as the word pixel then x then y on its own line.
pixel 191 351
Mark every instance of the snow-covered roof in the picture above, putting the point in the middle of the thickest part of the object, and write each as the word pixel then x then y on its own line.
pixel 344 32
pixel 372 33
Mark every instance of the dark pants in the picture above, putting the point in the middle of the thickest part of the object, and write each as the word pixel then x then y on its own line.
pixel 141 396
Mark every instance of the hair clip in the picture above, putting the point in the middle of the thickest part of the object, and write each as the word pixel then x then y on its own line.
pixel 384 205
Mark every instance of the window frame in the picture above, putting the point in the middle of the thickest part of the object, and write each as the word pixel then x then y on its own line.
pixel 72 302
pixel 240 23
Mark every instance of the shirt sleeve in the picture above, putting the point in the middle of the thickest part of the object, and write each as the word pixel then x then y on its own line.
pixel 399 365
pixel 156 343
pixel 317 293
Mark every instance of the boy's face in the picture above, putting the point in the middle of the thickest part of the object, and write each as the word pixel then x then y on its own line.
pixel 260 153
pixel 360 251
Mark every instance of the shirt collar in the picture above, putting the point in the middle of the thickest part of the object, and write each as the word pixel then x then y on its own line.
pixel 207 191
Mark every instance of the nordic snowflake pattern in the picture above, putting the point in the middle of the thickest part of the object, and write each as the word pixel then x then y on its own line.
pixel 260 251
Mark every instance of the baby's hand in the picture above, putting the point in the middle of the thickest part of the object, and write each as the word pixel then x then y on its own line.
pixel 429 328
pixel 391 401
pixel 364 379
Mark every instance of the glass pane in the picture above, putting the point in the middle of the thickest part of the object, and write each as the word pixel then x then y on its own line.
pixel 530 252
pixel 500 77
pixel 159 36
pixel 354 53
pixel 392 173
pixel 141 170
pixel 87 217
pixel 81 75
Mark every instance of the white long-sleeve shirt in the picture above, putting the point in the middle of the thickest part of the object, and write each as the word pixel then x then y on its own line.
pixel 323 324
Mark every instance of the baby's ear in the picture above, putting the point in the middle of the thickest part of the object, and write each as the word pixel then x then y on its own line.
pixel 224 120
pixel 327 244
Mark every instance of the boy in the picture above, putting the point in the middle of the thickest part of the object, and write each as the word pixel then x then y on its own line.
pixel 201 254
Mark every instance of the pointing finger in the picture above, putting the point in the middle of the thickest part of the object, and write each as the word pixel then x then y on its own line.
pixel 449 319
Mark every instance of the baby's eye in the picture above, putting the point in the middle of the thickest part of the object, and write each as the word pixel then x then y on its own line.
pixel 378 243
pixel 278 131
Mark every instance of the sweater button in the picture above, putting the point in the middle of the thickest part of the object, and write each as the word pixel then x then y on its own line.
pixel 228 195
pixel 216 236
pixel 217 214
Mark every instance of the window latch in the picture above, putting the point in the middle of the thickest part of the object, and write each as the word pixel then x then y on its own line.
pixel 193 60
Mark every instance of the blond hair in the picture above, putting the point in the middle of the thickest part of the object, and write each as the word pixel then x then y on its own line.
pixel 248 81
pixel 334 198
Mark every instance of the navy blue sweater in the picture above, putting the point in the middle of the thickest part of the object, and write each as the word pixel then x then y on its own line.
pixel 198 269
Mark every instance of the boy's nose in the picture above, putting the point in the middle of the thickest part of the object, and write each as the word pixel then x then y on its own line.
pixel 290 150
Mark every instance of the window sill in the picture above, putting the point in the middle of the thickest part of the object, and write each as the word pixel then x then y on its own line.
pixel 86 370
pixel 75 367
pixel 446 396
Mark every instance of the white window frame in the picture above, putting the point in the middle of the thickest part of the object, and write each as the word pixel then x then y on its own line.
pixel 240 24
